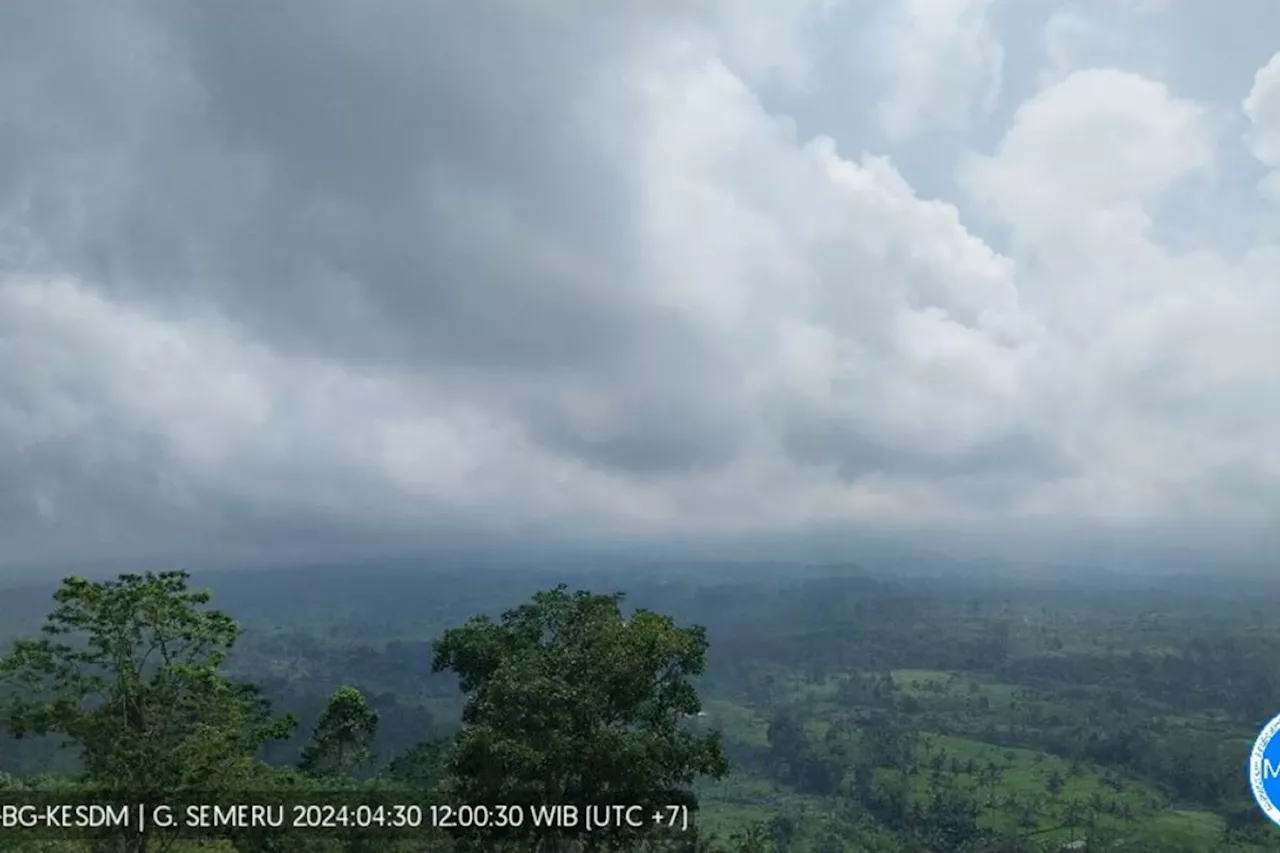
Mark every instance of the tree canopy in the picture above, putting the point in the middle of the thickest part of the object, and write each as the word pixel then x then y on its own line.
pixel 129 672
pixel 570 701
pixel 341 742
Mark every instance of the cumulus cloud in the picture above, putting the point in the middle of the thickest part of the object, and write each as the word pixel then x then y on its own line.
pixel 1142 338
pixel 942 64
pixel 1084 34
pixel 1262 108
pixel 283 281
pixel 1091 152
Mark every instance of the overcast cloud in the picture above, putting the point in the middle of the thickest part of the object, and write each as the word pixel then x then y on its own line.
pixel 288 277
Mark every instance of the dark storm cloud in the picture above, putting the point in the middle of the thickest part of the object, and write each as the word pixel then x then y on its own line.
pixel 407 156
pixel 399 183
pixel 303 169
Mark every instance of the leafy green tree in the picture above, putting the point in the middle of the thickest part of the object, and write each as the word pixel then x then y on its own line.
pixel 796 761
pixel 782 830
pixel 992 774
pixel 1055 783
pixel 569 701
pixel 129 673
pixel 753 839
pixel 422 766
pixel 950 822
pixel 341 742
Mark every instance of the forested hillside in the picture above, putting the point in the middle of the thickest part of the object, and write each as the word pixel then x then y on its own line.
pixel 809 709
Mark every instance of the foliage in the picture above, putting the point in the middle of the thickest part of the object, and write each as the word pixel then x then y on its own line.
pixel 860 713
pixel 568 701
pixel 129 673
pixel 342 737
pixel 422 766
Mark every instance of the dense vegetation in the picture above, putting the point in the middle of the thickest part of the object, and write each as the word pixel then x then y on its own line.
pixel 795 709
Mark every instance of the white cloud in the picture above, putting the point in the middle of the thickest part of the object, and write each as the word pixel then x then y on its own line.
pixel 1084 34
pixel 766 41
pixel 1262 108
pixel 1091 154
pixel 823 281
pixel 1149 350
pixel 943 65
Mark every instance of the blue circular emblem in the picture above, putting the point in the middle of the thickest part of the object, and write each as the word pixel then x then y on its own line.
pixel 1264 769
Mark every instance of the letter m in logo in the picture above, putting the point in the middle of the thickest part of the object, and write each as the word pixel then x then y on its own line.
pixel 1269 770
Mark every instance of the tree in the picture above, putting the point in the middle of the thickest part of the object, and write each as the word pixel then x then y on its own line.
pixel 343 736
pixel 793 759
pixel 421 766
pixel 950 822
pixel 129 673
pixel 753 839
pixel 1055 783
pixel 568 701
pixel 993 774
pixel 782 829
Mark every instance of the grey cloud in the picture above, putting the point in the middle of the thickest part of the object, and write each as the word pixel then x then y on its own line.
pixel 990 473
pixel 403 184
pixel 672 415
pixel 300 169
pixel 438 262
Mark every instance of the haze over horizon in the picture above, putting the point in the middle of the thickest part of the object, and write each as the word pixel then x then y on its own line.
pixel 287 281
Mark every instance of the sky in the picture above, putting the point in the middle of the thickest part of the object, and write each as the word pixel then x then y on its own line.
pixel 297 279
